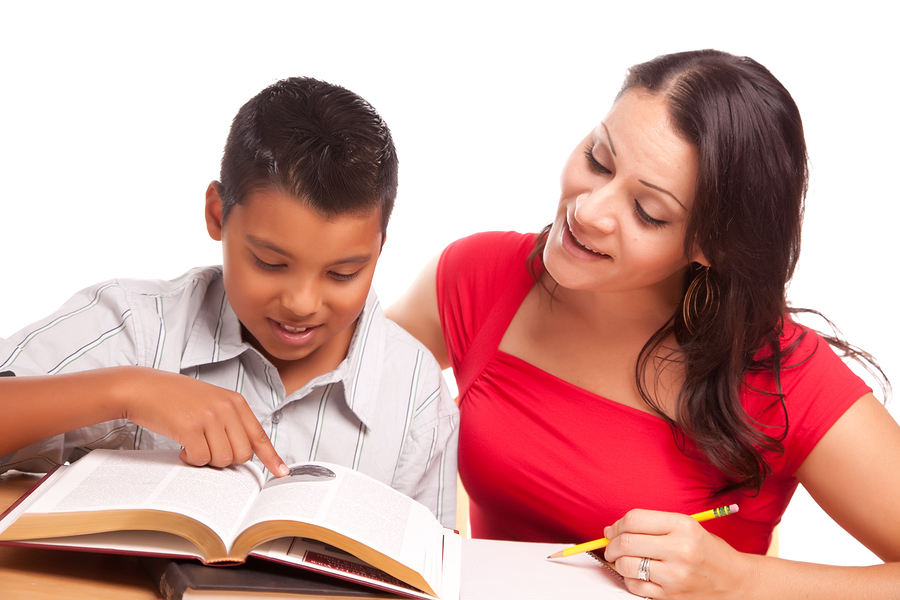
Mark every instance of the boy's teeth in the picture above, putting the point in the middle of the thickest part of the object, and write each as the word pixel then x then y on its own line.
pixel 290 329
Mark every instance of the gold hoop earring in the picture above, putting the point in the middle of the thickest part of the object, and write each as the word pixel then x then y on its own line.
pixel 698 299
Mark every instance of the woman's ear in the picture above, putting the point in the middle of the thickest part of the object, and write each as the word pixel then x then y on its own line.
pixel 214 211
pixel 697 255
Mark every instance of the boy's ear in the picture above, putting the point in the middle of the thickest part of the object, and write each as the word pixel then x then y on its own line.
pixel 214 211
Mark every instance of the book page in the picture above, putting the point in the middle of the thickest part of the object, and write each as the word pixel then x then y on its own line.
pixel 494 569
pixel 316 556
pixel 361 508
pixel 157 479
pixel 125 542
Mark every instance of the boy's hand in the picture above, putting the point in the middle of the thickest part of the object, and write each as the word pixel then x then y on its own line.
pixel 215 426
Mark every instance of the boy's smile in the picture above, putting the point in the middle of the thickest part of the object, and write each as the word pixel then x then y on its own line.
pixel 297 280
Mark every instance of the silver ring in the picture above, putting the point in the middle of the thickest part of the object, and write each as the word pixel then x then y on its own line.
pixel 644 569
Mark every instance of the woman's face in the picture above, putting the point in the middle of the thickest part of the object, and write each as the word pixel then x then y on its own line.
pixel 627 191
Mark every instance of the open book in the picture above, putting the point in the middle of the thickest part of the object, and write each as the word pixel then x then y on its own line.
pixel 322 517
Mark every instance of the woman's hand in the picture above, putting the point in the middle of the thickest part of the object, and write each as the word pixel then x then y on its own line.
pixel 215 426
pixel 685 560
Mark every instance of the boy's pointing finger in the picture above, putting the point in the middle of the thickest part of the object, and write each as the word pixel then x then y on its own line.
pixel 266 453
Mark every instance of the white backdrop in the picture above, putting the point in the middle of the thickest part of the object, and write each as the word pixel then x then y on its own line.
pixel 114 116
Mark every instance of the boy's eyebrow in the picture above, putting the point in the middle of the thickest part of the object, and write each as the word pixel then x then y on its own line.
pixel 361 258
pixel 268 246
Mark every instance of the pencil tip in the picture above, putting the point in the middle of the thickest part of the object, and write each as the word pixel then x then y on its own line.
pixel 555 555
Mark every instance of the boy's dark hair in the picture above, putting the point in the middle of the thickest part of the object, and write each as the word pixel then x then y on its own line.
pixel 318 142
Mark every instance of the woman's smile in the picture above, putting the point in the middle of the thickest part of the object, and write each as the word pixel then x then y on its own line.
pixel 571 232
pixel 621 218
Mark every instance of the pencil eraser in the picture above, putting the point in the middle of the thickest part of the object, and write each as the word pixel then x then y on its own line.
pixel 733 508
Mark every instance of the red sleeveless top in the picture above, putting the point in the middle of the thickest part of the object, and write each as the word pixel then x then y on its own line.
pixel 544 460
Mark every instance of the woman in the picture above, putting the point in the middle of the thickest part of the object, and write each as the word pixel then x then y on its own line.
pixel 637 362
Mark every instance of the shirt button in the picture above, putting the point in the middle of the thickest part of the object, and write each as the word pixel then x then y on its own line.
pixel 276 417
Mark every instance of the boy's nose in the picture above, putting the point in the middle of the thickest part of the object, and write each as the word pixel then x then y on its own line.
pixel 302 300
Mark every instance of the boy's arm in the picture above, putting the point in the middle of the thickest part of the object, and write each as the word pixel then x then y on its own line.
pixel 76 368
pixel 427 467
pixel 214 426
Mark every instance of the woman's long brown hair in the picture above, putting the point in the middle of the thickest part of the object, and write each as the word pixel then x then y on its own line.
pixel 747 216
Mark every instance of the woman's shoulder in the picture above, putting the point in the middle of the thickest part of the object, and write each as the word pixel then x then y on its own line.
pixel 504 241
pixel 812 364
pixel 815 385
pixel 806 357
pixel 476 273
pixel 795 342
pixel 489 252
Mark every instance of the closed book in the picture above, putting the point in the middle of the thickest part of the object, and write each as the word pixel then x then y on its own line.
pixel 190 580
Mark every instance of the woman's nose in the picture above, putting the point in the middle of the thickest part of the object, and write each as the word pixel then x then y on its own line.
pixel 597 209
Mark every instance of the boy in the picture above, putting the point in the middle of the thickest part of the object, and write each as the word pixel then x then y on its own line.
pixel 283 351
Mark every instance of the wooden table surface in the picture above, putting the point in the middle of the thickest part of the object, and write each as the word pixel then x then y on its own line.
pixel 32 573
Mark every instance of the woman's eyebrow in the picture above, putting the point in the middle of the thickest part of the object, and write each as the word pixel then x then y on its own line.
pixel 612 149
pixel 659 189
pixel 609 139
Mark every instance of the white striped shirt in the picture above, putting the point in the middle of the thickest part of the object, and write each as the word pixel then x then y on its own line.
pixel 385 411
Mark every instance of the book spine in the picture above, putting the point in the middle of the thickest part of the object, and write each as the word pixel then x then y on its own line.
pixel 168 577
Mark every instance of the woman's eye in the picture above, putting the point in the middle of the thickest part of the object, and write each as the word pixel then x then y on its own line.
pixel 595 166
pixel 643 216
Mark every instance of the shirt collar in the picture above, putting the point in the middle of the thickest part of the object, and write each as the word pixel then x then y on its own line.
pixel 216 337
pixel 360 372
pixel 216 332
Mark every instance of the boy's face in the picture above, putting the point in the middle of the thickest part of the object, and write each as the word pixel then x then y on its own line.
pixel 296 280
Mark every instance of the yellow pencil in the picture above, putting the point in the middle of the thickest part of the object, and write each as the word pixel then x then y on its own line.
pixel 713 513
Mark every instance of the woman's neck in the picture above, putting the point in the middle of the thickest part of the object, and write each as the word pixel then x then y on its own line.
pixel 632 313
pixel 593 339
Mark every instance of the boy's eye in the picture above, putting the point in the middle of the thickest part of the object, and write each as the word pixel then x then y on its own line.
pixel 264 265
pixel 594 165
pixel 344 276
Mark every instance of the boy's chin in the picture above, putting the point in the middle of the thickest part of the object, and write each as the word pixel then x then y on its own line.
pixel 279 354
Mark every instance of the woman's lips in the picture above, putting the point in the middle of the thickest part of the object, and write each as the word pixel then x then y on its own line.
pixel 577 246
